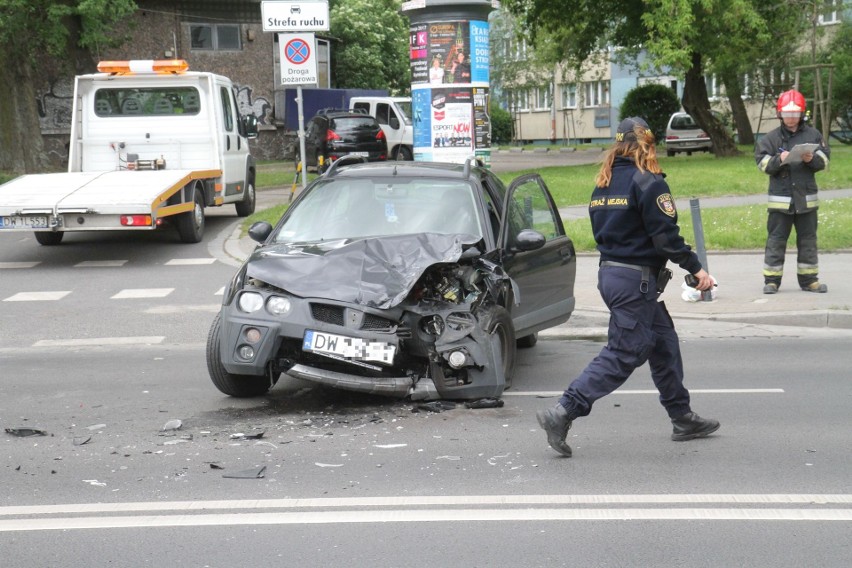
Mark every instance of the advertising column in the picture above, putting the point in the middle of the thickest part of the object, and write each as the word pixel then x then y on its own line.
pixel 450 79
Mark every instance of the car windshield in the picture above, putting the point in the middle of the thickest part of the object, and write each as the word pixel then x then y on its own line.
pixel 359 208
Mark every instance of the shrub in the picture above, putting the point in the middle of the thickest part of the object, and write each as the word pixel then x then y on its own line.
pixel 501 125
pixel 654 103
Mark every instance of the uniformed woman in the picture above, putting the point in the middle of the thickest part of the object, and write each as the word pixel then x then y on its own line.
pixel 634 222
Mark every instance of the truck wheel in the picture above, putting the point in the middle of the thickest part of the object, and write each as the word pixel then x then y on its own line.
pixel 528 341
pixel 231 385
pixel 48 238
pixel 404 153
pixel 246 206
pixel 495 320
pixel 190 225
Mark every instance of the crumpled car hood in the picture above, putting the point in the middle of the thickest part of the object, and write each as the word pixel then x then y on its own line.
pixel 377 272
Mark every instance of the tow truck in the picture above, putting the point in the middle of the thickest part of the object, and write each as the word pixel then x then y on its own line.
pixel 152 144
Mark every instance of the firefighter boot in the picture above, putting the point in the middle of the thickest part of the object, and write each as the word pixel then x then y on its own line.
pixel 555 422
pixel 815 287
pixel 690 426
pixel 770 288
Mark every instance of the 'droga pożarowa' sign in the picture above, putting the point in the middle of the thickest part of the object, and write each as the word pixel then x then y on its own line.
pixel 298 59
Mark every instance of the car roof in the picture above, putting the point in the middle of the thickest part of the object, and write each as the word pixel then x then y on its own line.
pixel 433 170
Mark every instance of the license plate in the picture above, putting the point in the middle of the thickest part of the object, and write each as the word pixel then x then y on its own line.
pixel 23 222
pixel 365 154
pixel 348 347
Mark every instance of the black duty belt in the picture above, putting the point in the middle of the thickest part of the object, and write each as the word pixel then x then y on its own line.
pixel 662 278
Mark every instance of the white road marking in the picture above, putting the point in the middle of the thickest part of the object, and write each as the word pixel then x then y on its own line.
pixel 190 261
pixel 143 293
pixel 793 507
pixel 4 265
pixel 547 394
pixel 100 263
pixel 37 296
pixel 100 341
pixel 179 309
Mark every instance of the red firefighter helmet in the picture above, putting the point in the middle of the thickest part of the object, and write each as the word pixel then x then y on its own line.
pixel 791 104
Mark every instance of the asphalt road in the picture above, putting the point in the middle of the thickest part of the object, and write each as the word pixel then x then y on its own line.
pixel 362 481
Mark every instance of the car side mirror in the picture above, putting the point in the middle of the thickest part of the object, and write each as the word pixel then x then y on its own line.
pixel 528 240
pixel 249 122
pixel 260 231
pixel 394 123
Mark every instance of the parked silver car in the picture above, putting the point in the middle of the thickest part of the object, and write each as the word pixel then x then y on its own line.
pixel 684 135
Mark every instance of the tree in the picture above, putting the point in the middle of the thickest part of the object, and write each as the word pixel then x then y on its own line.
pixel 371 51
pixel 39 38
pixel 682 35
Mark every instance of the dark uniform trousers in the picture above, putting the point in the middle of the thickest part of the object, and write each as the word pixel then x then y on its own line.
pixel 640 329
pixel 778 227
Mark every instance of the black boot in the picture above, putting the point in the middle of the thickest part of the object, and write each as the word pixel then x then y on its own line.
pixel 690 426
pixel 556 423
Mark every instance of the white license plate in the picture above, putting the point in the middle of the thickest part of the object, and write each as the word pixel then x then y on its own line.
pixel 23 222
pixel 365 154
pixel 348 347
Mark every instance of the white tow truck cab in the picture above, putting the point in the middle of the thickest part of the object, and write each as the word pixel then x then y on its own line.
pixel 151 144
pixel 394 116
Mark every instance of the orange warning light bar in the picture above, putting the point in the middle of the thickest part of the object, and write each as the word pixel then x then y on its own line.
pixel 161 66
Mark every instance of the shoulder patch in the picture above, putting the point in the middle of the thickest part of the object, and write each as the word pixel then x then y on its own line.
pixel 666 204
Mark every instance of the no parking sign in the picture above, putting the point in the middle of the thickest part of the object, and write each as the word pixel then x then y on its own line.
pixel 298 59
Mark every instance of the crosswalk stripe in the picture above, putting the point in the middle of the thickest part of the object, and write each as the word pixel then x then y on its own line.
pixel 4 265
pixel 190 261
pixel 37 296
pixel 100 341
pixel 135 293
pixel 551 394
pixel 100 263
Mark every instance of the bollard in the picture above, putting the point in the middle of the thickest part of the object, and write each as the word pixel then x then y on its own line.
pixel 700 250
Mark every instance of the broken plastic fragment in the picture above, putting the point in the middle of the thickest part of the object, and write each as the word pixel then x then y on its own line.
pixel 318 464
pixel 215 465
pixel 25 432
pixel 79 441
pixel 485 403
pixel 256 473
pixel 96 427
pixel 174 424
pixel 436 406
pixel 389 446
pixel 241 436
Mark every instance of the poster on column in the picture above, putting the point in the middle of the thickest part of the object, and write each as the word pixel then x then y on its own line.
pixel 451 52
pixel 452 124
pixel 419 53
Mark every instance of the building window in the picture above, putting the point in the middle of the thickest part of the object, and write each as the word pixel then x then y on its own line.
pixel 569 96
pixel 215 37
pixel 543 97
pixel 596 93
pixel 519 100
pixel 714 86
pixel 829 13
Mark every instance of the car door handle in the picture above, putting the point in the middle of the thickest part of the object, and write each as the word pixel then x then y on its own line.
pixel 565 252
pixel 227 142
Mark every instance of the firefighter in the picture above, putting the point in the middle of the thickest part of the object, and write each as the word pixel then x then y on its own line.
pixel 634 221
pixel 793 197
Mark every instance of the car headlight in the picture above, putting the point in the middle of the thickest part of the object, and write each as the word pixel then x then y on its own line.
pixel 278 305
pixel 250 302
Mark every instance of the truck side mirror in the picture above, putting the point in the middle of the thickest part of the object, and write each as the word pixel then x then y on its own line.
pixel 249 123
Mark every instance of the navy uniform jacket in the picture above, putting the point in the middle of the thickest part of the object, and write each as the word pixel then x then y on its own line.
pixel 634 220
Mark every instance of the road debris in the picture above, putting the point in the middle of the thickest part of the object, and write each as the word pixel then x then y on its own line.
pixel 96 427
pixel 256 473
pixel 434 406
pixel 80 440
pixel 25 432
pixel 485 403
pixel 173 424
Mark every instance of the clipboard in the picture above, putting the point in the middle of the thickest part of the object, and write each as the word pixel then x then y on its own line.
pixel 795 155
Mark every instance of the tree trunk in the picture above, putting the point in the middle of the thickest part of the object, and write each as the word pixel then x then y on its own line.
pixel 21 145
pixel 697 104
pixel 738 109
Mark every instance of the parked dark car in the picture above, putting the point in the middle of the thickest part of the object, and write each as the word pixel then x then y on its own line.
pixel 332 134
pixel 404 279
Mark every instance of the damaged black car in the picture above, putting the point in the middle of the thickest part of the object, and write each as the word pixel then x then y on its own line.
pixel 411 280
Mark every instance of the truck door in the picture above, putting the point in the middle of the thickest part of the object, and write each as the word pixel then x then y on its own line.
pixel 234 146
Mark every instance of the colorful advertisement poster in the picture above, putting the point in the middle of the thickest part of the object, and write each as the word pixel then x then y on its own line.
pixel 481 119
pixel 419 53
pixel 480 53
pixel 452 124
pixel 453 53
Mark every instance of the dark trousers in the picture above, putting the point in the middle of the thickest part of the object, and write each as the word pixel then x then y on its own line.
pixel 640 329
pixel 778 227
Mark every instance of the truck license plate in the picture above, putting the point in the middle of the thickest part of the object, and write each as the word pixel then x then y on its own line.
pixel 348 347
pixel 23 222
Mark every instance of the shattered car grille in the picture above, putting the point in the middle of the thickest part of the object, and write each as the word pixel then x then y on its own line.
pixel 335 315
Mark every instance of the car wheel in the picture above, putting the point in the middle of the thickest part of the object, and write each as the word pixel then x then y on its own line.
pixel 404 153
pixel 247 205
pixel 670 153
pixel 190 225
pixel 228 383
pixel 495 320
pixel 48 238
pixel 528 341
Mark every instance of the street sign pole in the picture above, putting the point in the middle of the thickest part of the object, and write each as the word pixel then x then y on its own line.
pixel 302 154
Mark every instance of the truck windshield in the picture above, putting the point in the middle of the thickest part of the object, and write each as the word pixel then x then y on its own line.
pixel 405 107
pixel 147 101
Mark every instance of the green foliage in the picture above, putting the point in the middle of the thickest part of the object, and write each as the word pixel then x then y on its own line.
pixel 373 49
pixel 654 103
pixel 501 125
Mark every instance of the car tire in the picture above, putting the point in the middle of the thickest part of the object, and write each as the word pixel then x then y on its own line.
pixel 247 205
pixel 404 153
pixel 190 225
pixel 241 386
pixel 528 341
pixel 670 153
pixel 48 238
pixel 495 320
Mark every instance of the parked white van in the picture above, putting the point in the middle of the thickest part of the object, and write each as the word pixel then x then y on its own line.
pixel 394 116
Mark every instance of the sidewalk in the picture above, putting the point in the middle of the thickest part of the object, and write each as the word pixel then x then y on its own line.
pixel 739 296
